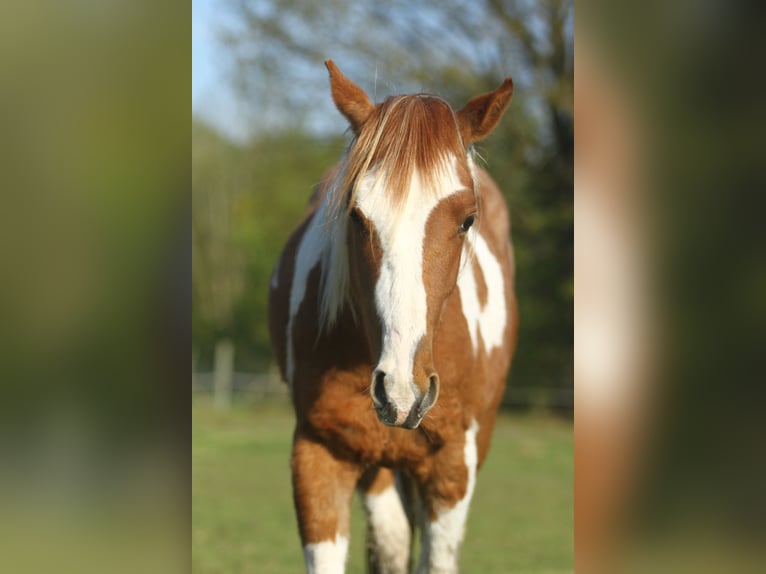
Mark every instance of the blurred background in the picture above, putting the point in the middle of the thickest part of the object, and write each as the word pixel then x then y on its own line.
pixel 95 461
pixel 265 130
pixel 95 290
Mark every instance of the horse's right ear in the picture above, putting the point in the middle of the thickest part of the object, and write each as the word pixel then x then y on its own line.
pixel 481 114
pixel 349 98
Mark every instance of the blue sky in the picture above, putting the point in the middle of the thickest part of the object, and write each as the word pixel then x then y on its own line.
pixel 212 96
pixel 214 99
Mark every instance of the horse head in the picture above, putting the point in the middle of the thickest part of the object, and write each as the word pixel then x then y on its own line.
pixel 408 198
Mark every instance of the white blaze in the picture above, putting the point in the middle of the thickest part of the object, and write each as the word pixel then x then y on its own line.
pixel 400 295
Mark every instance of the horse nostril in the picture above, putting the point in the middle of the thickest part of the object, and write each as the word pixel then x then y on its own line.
pixel 433 386
pixel 433 393
pixel 379 389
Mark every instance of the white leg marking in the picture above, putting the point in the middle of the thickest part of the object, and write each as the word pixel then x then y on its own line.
pixel 442 537
pixel 328 557
pixel 390 530
pixel 490 321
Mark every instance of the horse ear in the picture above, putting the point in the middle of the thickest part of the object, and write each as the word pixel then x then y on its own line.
pixel 349 98
pixel 482 113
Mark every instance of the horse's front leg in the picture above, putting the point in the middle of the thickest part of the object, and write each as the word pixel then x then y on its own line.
pixel 447 497
pixel 389 533
pixel 322 489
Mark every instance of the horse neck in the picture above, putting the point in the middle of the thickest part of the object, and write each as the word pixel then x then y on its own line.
pixel 334 287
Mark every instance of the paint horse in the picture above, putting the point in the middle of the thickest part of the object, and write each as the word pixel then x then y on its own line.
pixel 393 319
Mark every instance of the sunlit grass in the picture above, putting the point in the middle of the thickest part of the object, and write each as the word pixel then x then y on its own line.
pixel 242 511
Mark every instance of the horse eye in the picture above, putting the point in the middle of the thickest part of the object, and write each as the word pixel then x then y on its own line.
pixel 466 225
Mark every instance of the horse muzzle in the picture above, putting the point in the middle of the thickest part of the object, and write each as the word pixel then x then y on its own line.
pixel 402 404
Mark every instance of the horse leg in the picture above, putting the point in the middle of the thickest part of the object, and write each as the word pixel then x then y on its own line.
pixel 322 489
pixel 447 497
pixel 389 530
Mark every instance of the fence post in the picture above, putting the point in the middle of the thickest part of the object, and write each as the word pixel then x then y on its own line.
pixel 223 374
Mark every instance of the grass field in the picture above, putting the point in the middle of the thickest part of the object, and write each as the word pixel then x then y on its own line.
pixel 242 514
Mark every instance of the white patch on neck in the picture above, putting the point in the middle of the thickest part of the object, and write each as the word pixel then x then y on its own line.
pixel 328 557
pixel 390 529
pixel 308 255
pixel 489 321
pixel 443 536
pixel 400 294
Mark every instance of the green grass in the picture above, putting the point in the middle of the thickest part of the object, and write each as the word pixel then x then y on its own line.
pixel 242 513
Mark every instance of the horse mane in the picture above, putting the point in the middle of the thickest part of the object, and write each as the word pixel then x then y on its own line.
pixel 405 136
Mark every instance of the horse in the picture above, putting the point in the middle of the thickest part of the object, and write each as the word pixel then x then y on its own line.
pixel 393 320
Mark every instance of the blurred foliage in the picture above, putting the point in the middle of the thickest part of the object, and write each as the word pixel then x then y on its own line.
pixel 248 198
pixel 94 178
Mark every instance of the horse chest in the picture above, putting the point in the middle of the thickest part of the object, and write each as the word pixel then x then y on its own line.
pixel 347 425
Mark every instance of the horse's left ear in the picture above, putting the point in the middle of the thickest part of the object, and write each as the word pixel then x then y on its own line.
pixel 349 98
pixel 482 113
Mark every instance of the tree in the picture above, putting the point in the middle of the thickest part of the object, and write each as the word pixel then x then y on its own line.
pixel 217 264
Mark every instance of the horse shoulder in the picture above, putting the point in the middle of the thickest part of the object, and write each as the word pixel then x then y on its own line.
pixel 283 282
